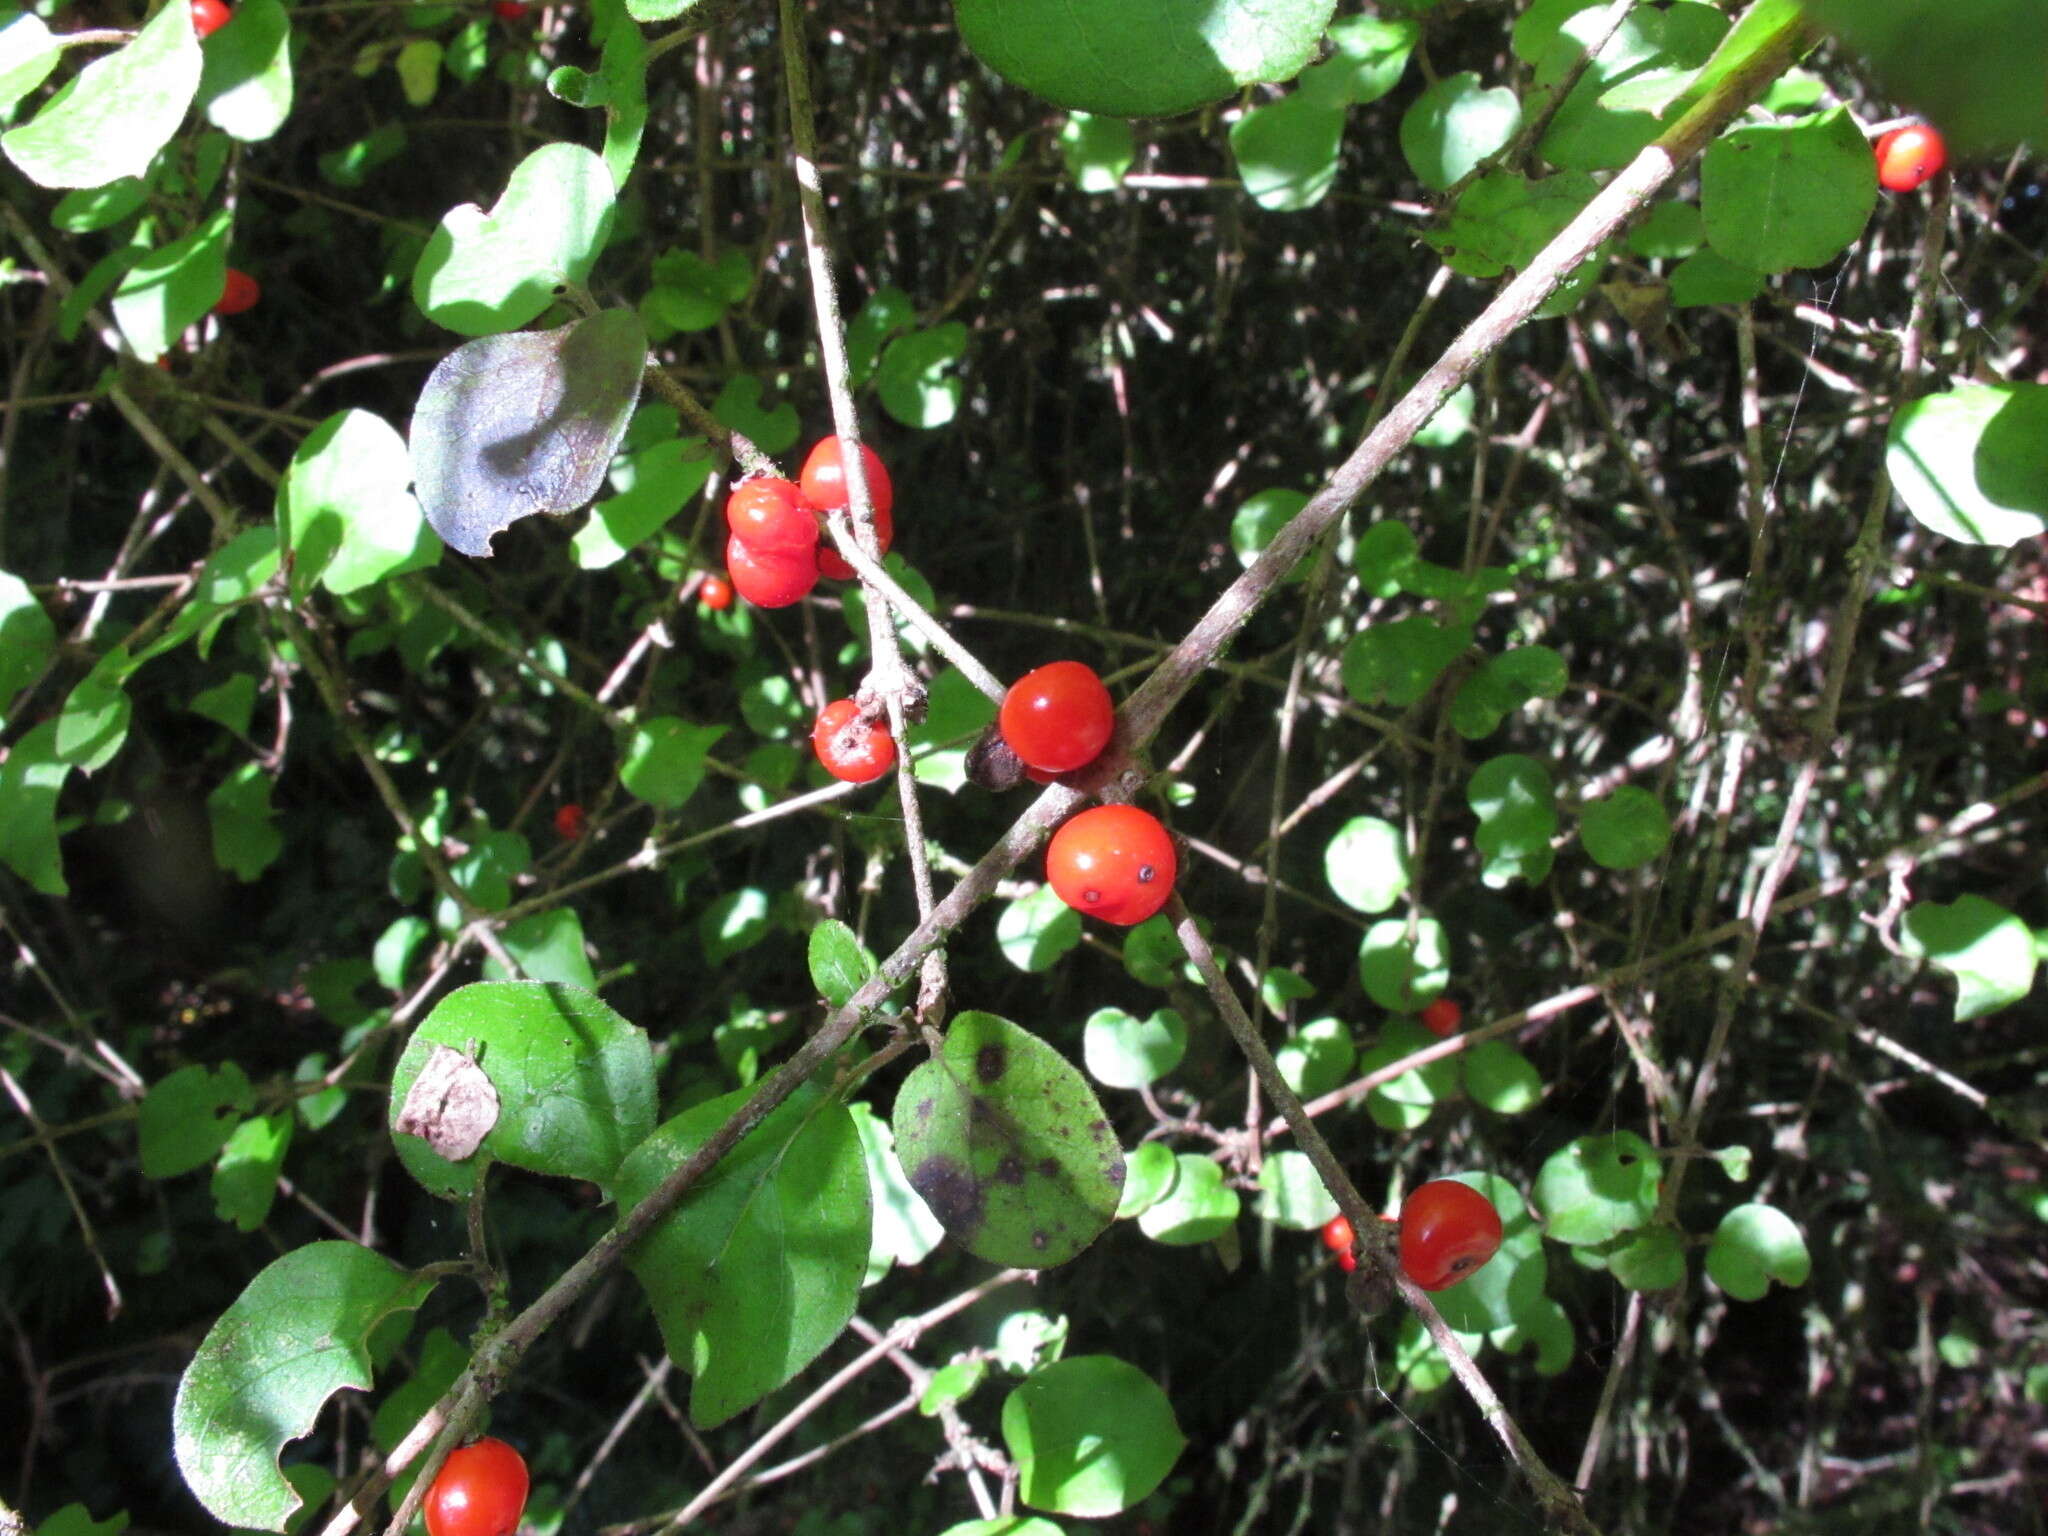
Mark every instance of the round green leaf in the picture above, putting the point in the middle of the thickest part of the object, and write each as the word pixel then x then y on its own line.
pixel 664 757
pixel 1504 218
pixel 1091 1436
pixel 1652 1259
pixel 1004 1525
pixel 1260 520
pixel 1501 1078
pixel 1123 1051
pixel 1367 864
pixel 548 946
pixel 1153 953
pixel 188 1116
pixel 1142 58
pixel 1454 125
pixel 299 1332
pixel 1517 809
pixel 1398 662
pixel 245 836
pixel 245 1178
pixel 1404 973
pixel 575 1082
pixel 1097 150
pixel 1754 1245
pixel 1625 830
pixel 1592 131
pixel 1316 1057
pixel 1504 685
pixel 1035 930
pixel 1149 1176
pixel 1007 1144
pixel 110 120
pixel 1989 951
pixel 527 422
pixel 1286 151
pixel 840 964
pixel 1598 1187
pixel 1291 1192
pixel 1405 1102
pixel 1971 463
pixel 344 509
pixel 484 272
pixel 1779 196
pixel 1196 1209
pixel 916 380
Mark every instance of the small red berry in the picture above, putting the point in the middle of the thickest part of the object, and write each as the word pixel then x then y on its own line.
pixel 1338 1238
pixel 769 578
pixel 1448 1229
pixel 209 16
pixel 508 10
pixel 769 515
pixel 715 593
pixel 824 479
pixel 1114 862
pixel 570 820
pixel 832 563
pixel 240 293
pixel 850 751
pixel 1442 1017
pixel 480 1491
pixel 1910 157
pixel 1059 717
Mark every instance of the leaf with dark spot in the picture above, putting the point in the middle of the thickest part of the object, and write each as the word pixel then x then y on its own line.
pixel 987 1133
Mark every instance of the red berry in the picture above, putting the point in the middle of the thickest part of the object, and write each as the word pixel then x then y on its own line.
pixel 832 563
pixel 480 1491
pixel 240 292
pixel 209 16
pixel 570 820
pixel 1443 1017
pixel 850 751
pixel 1448 1229
pixel 1114 862
pixel 715 592
pixel 508 10
pixel 769 578
pixel 767 513
pixel 824 479
pixel 1058 718
pixel 1338 1238
pixel 1910 157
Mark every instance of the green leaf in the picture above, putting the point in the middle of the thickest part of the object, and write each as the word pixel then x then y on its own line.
pixel 77 1520
pixel 299 1333
pixel 622 72
pixel 31 778
pixel 1595 128
pixel 245 837
pixel 1197 1209
pixel 1370 55
pixel 653 485
pixel 1988 950
pixel 1000 1525
pixel 1754 1245
pixel 1399 662
pixel 1501 1078
pixel 512 425
pixel 94 721
pixel 29 51
pixel 1668 231
pixel 1976 69
pixel 1546 1325
pixel 1097 150
pixel 246 88
pixel 441 1363
pixel 840 963
pixel 950 1385
pixel 418 67
pixel 344 509
pixel 396 949
pixel 1971 463
pixel 1455 124
pixel 1405 1102
pixel 1597 1188
pixel 575 1082
pixel 1152 951
pixel 1124 1051
pixel 171 287
pixel 350 166
pixel 548 946
pixel 1142 58
pixel 96 208
pixel 1286 151
pixel 1008 1145
pixel 1504 685
pixel 1779 196
pixel 956 712
pixel 905 1230
pixel 1503 219
pixel 1367 864
pixel 1517 809
pixel 1091 1436
pixel 1653 1259
pixel 1403 973
pixel 693 294
pixel 484 272
pixel 245 1178
pixel 1035 930
pixel 733 924
pixel 28 638
pixel 915 380
pixel 1280 988
pixel 1291 1192
pixel 1149 1176
pixel 760 1266
pixel 1384 554
pixel 739 406
pixel 1258 523
pixel 110 120
pixel 232 703
pixel 663 761
pixel 187 1117
pixel 1707 278
pixel 1317 1057
pixel 1626 829
pixel 887 311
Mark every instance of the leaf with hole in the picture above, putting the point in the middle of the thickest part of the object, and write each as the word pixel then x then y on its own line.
pixel 1990 952
pixel 1754 1245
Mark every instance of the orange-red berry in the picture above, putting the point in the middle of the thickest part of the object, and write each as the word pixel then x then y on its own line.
pixel 1114 862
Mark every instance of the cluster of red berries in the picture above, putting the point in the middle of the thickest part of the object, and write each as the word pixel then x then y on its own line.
pixel 774 553
pixel 479 1491
pixel 1910 157
pixel 1448 1230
